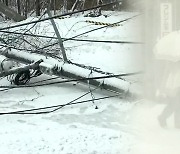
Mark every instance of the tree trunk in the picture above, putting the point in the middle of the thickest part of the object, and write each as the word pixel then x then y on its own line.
pixel 38 8
pixel 19 6
pixel 26 8
pixel 54 7
pixel 6 2
pixel 65 6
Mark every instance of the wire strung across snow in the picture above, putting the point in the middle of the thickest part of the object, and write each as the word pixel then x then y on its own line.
pixel 73 39
pixel 69 80
pixel 93 69
pixel 66 39
pixel 58 107
pixel 20 36
pixel 89 31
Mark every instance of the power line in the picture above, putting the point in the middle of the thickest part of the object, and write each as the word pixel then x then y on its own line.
pixel 101 27
pixel 106 41
pixel 73 80
pixel 73 39
pixel 88 32
pixel 57 106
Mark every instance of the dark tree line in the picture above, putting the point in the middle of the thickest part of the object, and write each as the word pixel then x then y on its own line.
pixel 25 7
pixel 28 7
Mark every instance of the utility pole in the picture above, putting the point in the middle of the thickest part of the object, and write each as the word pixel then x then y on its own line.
pixel 58 36
pixel 51 66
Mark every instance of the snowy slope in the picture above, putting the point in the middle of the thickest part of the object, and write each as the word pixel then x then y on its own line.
pixel 79 128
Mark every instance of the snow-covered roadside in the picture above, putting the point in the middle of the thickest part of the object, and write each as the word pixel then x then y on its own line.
pixel 151 138
pixel 74 129
pixel 80 128
pixel 101 132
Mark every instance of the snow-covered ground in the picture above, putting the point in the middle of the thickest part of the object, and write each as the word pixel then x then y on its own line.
pixel 151 138
pixel 116 126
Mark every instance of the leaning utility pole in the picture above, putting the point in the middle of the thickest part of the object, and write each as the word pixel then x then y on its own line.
pixel 58 35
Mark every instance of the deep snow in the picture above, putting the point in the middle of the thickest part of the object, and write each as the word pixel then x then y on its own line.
pixel 118 126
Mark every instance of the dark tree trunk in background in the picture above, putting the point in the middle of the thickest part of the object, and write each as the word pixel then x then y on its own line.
pixel 54 7
pixel 70 4
pixel 6 2
pixel 52 4
pixel 59 4
pixel 26 8
pixel 19 6
pixel 38 7
pixel 65 6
